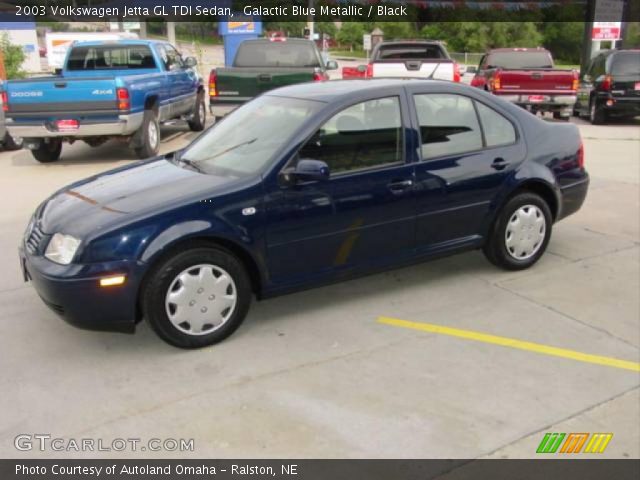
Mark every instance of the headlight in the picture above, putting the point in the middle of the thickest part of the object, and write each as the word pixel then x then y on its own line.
pixel 62 248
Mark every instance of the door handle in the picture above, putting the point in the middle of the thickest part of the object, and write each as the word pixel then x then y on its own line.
pixel 499 164
pixel 265 77
pixel 400 185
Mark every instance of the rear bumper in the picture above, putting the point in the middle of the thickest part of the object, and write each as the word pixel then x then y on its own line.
pixel 124 125
pixel 622 105
pixel 80 301
pixel 557 102
pixel 573 196
pixel 220 108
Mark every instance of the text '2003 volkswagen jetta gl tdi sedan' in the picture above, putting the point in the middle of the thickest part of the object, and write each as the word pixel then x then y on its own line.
pixel 303 185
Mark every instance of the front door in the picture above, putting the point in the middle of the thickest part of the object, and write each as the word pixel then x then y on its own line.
pixel 364 214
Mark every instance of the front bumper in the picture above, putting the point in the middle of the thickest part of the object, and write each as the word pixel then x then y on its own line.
pixel 124 125
pixel 74 293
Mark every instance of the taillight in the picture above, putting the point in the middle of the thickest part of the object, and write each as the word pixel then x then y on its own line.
pixel 606 83
pixel 213 83
pixel 477 81
pixel 369 72
pixel 575 83
pixel 495 82
pixel 456 72
pixel 5 102
pixel 580 156
pixel 319 77
pixel 124 101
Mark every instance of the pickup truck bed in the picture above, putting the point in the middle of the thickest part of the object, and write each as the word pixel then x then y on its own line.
pixel 107 89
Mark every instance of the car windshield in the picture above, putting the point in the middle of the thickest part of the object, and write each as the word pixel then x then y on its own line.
pixel 626 63
pixel 522 59
pixel 276 54
pixel 247 139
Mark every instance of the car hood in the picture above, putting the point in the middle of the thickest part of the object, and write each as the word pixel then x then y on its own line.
pixel 118 196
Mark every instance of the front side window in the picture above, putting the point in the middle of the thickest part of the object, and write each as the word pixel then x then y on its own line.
pixel 365 135
pixel 172 59
pixel 497 129
pixel 448 125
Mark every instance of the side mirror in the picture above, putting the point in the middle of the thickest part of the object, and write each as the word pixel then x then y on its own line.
pixel 306 170
pixel 57 72
pixel 362 68
pixel 472 69
pixel 190 62
pixel 332 65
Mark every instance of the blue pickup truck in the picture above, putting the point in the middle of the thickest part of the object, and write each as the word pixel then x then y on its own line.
pixel 122 89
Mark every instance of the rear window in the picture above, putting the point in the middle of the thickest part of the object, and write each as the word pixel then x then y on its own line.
pixel 410 51
pixel 116 57
pixel 276 54
pixel 626 63
pixel 518 60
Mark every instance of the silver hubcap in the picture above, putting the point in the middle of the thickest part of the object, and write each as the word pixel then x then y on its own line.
pixel 525 232
pixel 201 299
pixel 201 111
pixel 153 135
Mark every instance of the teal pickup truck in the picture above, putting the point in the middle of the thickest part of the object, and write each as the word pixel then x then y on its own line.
pixel 262 65
pixel 120 89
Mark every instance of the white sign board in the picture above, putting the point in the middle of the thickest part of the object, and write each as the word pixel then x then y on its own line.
pixel 606 30
pixel 608 10
pixel 366 42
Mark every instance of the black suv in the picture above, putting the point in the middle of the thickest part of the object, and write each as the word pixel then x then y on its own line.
pixel 610 86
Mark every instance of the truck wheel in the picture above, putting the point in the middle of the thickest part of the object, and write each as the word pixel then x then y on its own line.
pixel 11 143
pixel 196 124
pixel 520 233
pixel 197 298
pixel 557 116
pixel 48 151
pixel 597 115
pixel 149 136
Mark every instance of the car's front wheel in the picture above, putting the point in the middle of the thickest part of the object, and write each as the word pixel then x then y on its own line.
pixel 521 232
pixel 197 297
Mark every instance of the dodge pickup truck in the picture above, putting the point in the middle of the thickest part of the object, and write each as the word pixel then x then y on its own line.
pixel 427 59
pixel 527 77
pixel 264 64
pixel 107 89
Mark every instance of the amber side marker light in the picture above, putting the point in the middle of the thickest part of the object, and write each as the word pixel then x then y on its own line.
pixel 112 281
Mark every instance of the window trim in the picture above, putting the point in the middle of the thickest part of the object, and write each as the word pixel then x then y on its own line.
pixel 403 130
pixel 484 147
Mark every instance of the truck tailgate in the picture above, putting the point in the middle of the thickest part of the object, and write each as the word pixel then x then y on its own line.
pixel 537 81
pixel 51 97
pixel 246 82
pixel 414 69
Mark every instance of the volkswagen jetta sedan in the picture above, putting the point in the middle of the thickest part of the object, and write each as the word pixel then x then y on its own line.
pixel 304 185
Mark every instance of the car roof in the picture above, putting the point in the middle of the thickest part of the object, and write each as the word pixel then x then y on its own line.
pixel 416 41
pixel 269 41
pixel 517 49
pixel 337 90
pixel 119 41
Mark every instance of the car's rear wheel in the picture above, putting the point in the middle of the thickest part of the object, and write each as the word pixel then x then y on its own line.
pixel 149 136
pixel 558 116
pixel 521 232
pixel 197 297
pixel 597 115
pixel 197 123
pixel 48 151
pixel 12 143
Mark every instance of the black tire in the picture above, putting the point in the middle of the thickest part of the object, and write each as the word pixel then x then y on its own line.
pixel 597 115
pixel 149 143
pixel 495 248
pixel 48 151
pixel 161 278
pixel 197 123
pixel 11 144
pixel 557 116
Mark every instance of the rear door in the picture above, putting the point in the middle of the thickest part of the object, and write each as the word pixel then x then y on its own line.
pixel 624 68
pixel 468 149
pixel 364 215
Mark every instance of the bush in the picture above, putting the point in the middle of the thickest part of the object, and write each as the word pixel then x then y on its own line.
pixel 14 56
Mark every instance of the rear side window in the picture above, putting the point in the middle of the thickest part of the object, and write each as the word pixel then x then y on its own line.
pixel 365 135
pixel 410 51
pixel 521 59
pixel 276 54
pixel 625 63
pixel 448 125
pixel 116 57
pixel 497 129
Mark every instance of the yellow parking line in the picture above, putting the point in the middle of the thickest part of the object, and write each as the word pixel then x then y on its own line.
pixel 513 343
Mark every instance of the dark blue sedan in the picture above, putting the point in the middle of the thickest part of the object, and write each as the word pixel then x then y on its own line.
pixel 304 185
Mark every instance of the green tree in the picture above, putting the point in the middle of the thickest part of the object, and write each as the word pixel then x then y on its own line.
pixel 350 34
pixel 564 40
pixel 14 56
pixel 397 30
pixel 328 28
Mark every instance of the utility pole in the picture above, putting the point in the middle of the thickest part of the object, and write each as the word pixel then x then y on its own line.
pixel 587 42
pixel 171 32
pixel 311 23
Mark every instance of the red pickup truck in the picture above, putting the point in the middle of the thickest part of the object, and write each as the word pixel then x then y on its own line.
pixel 527 77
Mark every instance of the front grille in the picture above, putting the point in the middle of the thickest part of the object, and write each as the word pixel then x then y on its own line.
pixel 34 241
